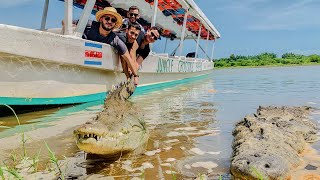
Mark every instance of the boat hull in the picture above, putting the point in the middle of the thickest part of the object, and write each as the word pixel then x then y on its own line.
pixel 43 68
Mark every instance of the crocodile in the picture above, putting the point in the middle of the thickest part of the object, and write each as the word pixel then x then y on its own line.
pixel 118 129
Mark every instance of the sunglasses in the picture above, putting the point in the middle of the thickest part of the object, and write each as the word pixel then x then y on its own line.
pixel 107 18
pixel 133 14
pixel 154 36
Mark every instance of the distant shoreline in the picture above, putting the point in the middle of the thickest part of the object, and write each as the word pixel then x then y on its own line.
pixel 266 66
pixel 267 60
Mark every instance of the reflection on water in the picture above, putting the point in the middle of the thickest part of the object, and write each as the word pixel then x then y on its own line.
pixel 39 119
pixel 190 124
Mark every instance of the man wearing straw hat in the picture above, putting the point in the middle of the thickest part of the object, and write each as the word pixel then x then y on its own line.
pixel 101 31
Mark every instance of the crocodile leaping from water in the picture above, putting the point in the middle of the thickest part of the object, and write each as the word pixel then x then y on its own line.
pixel 118 129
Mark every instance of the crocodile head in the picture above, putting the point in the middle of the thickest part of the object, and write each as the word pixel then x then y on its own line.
pixel 118 129
pixel 111 139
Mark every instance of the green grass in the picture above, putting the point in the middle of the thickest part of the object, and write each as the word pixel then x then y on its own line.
pixel 24 140
pixel 13 171
pixel 35 159
pixel 12 112
pixel 13 158
pixel 142 176
pixel 173 174
pixel 54 161
pixel 35 162
pixel 258 173
pixel 201 176
pixel 1 173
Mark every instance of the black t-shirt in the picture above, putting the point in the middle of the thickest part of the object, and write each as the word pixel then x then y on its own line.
pixel 144 53
pixel 92 33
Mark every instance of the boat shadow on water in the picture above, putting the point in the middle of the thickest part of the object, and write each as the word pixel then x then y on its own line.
pixel 20 109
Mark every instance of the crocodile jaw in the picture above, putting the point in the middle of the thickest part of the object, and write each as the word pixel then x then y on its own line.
pixel 92 140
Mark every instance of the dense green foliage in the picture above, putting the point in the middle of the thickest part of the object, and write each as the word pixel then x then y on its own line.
pixel 267 59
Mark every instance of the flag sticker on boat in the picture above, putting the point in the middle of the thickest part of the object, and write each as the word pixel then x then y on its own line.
pixel 92 55
pixel 89 44
pixel 89 62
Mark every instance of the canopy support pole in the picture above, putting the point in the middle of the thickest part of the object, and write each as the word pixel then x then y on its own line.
pixel 198 41
pixel 44 15
pixel 84 18
pixel 212 49
pixel 154 17
pixel 165 47
pixel 68 17
pixel 207 42
pixel 185 18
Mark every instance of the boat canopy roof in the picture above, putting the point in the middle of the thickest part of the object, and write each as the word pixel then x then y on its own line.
pixel 170 16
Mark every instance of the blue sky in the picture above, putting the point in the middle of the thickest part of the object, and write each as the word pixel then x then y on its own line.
pixel 247 27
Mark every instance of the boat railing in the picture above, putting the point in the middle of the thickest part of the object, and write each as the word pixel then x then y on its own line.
pixel 163 54
pixel 55 30
pixel 177 58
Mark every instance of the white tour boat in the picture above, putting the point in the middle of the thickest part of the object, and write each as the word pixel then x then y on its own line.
pixel 51 67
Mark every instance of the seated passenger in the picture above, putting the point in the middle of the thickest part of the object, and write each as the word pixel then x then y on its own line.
pixel 132 16
pixel 129 37
pixel 101 31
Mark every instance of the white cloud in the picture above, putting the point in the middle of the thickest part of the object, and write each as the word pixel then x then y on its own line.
pixel 274 15
pixel 13 3
pixel 294 16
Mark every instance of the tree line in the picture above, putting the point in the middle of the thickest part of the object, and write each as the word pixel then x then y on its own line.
pixel 267 59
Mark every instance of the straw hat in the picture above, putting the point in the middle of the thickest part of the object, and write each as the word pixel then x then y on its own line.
pixel 110 11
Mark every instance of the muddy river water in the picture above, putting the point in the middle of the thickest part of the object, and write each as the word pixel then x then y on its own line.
pixel 190 125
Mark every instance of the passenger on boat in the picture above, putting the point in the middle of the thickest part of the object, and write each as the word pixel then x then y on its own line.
pixel 150 36
pixel 132 16
pixel 101 31
pixel 143 51
pixel 129 37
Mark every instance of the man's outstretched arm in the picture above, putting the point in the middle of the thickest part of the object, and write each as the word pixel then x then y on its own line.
pixel 131 64
pixel 125 55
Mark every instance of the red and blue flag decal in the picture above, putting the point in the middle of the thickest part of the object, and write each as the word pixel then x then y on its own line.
pixel 93 57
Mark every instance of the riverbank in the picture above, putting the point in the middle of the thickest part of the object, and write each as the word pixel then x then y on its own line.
pixel 267 60
pixel 270 66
